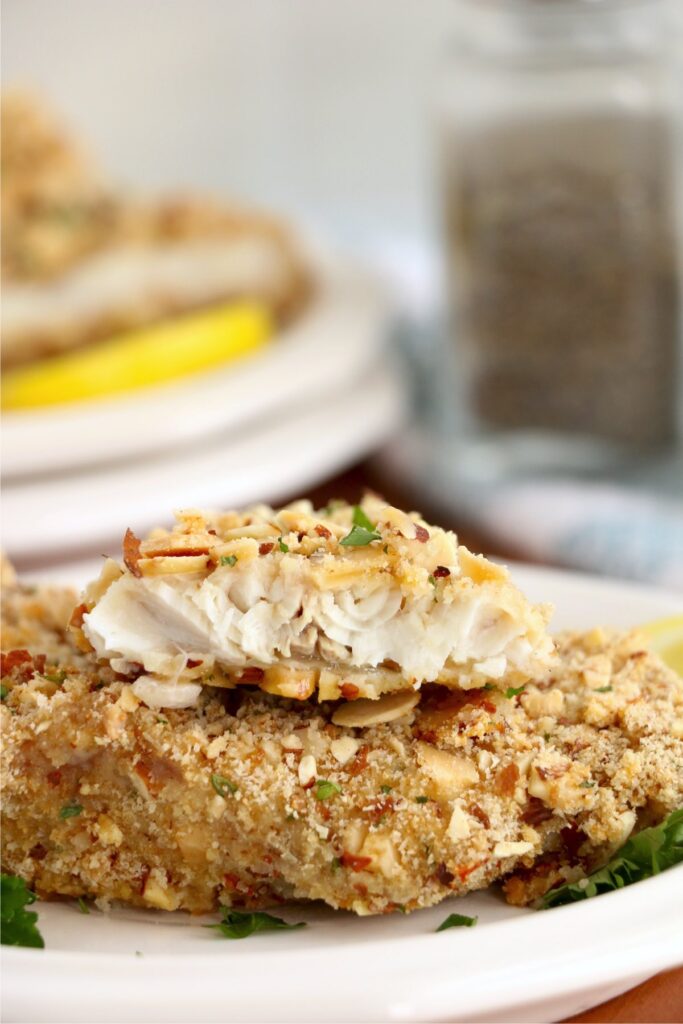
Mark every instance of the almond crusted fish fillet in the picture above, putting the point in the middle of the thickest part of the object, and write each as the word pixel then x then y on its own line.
pixel 82 261
pixel 247 799
pixel 342 602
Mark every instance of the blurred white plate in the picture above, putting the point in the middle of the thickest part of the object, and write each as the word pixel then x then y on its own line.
pixel 60 515
pixel 326 349
pixel 515 965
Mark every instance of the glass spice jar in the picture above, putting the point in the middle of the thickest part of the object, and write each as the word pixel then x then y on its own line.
pixel 561 181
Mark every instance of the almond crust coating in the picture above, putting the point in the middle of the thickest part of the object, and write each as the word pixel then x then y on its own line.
pixel 248 799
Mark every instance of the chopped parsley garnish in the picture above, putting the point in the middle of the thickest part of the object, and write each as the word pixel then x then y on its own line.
pixel 83 906
pixel 432 580
pixel 324 789
pixel 222 785
pixel 55 677
pixel 489 686
pixel 363 531
pixel 161 719
pixel 359 518
pixel 3 692
pixel 457 921
pixel 228 559
pixel 70 811
pixel 238 924
pixel 586 784
pixel 604 689
pixel 336 864
pixel 421 799
pixel 385 789
pixel 359 537
pixel 17 925
pixel 284 548
pixel 514 691
pixel 642 856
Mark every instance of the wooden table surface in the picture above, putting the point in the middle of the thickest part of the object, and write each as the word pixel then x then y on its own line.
pixel 661 998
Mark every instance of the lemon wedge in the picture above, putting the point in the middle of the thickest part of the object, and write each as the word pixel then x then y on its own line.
pixel 138 358
pixel 666 638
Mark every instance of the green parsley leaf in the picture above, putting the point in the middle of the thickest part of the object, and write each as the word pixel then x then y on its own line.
pixel 359 537
pixel 223 786
pixel 55 677
pixel 284 548
pixel 3 692
pixel 83 906
pixel 237 924
pixel 514 691
pixel 421 799
pixel 645 854
pixel 457 921
pixel 363 531
pixel 228 559
pixel 359 518
pixel 385 789
pixel 489 686
pixel 586 784
pixel 336 864
pixel 324 789
pixel 17 925
pixel 604 689
pixel 161 719
pixel 432 580
pixel 70 811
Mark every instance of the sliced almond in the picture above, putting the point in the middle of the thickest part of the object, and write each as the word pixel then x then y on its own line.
pixel 502 849
pixel 295 683
pixel 170 565
pixel 459 825
pixel 358 714
pixel 344 749
pixel 451 774
pixel 307 770
pixel 160 896
pixel 479 569
pixel 292 742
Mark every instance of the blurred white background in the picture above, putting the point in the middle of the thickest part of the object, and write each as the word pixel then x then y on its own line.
pixel 316 106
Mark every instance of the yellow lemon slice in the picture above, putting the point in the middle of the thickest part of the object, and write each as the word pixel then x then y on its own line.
pixel 138 358
pixel 666 638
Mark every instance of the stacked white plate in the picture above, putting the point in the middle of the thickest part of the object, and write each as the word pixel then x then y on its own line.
pixel 321 396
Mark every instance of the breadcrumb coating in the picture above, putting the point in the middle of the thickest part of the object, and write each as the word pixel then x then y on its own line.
pixel 248 799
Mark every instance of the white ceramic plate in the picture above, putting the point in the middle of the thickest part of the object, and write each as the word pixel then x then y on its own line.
pixel 54 515
pixel 321 354
pixel 515 965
